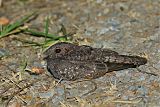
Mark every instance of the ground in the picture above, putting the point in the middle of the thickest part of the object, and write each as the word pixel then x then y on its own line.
pixel 126 26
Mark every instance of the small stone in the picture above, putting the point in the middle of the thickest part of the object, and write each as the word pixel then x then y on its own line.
pixel 3 52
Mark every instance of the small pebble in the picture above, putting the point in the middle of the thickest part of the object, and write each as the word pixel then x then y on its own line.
pixel 3 52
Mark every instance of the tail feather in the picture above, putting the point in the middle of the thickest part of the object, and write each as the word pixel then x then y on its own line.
pixel 123 62
pixel 134 60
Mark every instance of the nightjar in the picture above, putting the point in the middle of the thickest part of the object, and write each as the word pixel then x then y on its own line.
pixel 67 61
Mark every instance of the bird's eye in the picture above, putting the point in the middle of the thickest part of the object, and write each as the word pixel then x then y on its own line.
pixel 58 50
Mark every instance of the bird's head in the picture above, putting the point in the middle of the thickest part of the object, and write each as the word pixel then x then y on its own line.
pixel 58 50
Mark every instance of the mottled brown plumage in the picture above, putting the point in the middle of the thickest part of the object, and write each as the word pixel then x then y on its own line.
pixel 71 62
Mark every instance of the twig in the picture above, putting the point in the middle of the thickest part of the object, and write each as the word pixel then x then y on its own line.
pixel 7 88
pixel 14 83
pixel 22 99
pixel 17 92
pixel 58 82
pixel 129 101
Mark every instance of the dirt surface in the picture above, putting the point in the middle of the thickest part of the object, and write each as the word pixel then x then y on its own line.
pixel 125 26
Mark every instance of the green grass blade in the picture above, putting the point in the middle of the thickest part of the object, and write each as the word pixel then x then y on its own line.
pixel 43 34
pixel 63 29
pixel 7 29
pixel 46 26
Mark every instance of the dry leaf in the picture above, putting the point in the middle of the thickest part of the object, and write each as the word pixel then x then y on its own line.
pixel 4 21
pixel 37 70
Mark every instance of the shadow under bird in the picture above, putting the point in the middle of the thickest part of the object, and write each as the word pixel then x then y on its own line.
pixel 71 62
